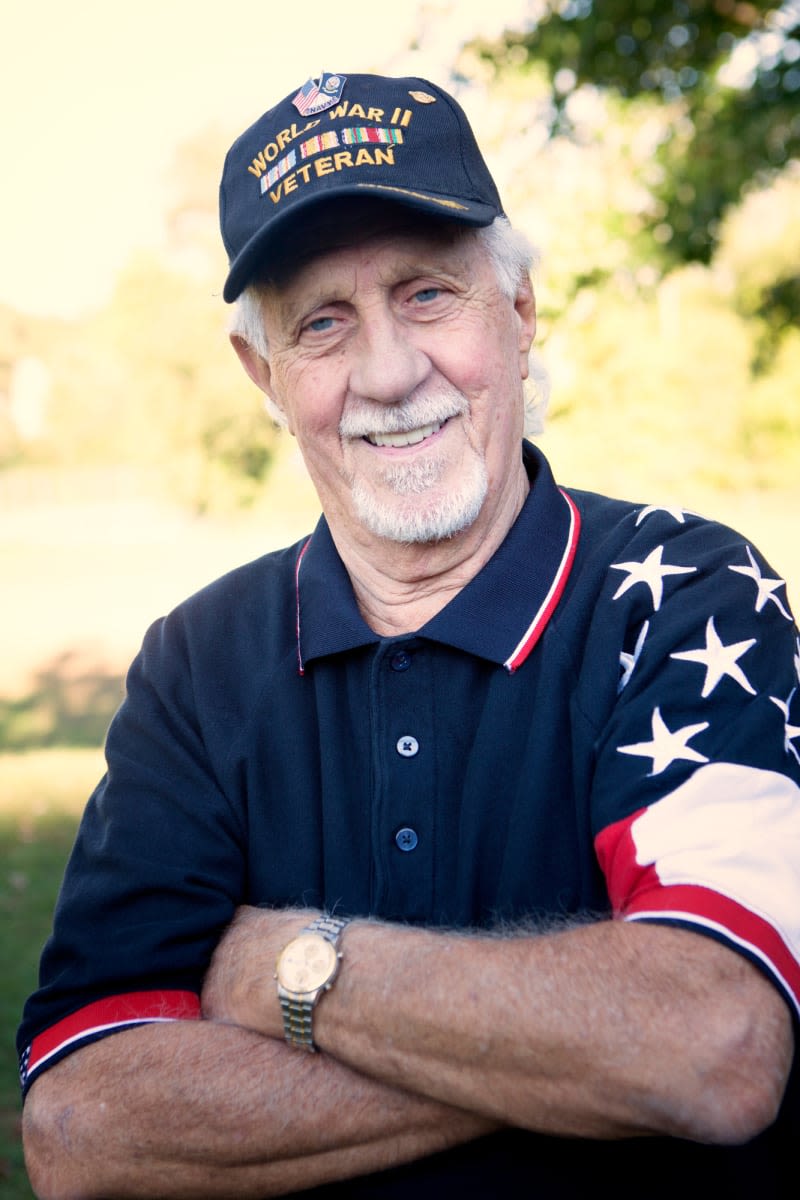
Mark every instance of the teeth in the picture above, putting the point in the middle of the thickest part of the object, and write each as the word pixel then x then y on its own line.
pixel 412 438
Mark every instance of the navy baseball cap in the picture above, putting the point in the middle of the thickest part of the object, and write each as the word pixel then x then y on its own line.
pixel 404 140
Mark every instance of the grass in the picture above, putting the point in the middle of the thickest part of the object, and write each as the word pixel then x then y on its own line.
pixel 43 793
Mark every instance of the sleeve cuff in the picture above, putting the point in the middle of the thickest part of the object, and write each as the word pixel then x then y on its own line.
pixel 100 1019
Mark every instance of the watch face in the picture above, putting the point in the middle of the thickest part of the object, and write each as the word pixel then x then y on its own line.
pixel 307 963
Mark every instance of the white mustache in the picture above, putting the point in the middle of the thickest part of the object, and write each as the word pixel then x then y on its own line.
pixel 365 418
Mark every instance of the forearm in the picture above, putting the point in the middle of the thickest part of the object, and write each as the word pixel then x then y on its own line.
pixel 198 1108
pixel 605 1030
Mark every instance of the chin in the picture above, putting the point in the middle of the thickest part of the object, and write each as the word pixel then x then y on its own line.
pixel 422 517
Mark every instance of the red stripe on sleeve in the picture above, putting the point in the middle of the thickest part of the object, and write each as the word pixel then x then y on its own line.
pixel 636 892
pixel 108 1015
pixel 720 914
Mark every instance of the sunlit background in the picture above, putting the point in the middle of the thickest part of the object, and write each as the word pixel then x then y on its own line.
pixel 649 148
pixel 97 97
pixel 123 414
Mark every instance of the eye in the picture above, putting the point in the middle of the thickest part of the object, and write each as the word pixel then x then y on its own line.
pixel 427 294
pixel 319 324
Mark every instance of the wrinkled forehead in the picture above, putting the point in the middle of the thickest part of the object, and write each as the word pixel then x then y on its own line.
pixel 351 222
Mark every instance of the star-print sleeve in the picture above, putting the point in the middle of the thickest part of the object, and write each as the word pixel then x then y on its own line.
pixel 697 784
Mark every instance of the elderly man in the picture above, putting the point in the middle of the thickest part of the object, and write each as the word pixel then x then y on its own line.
pixel 504 777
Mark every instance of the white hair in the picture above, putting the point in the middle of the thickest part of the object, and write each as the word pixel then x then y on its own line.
pixel 513 258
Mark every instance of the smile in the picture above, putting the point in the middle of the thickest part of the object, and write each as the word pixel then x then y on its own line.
pixel 412 438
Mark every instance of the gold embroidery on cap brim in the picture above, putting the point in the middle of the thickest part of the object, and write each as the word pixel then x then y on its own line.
pixel 385 187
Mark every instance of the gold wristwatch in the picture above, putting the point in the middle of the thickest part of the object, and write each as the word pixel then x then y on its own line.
pixel 306 968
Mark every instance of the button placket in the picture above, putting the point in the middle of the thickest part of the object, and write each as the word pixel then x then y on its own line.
pixel 403 819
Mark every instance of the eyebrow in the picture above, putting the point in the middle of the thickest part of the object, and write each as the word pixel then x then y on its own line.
pixel 291 312
pixel 408 265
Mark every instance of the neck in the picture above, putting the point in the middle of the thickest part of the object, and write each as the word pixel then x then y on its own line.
pixel 399 586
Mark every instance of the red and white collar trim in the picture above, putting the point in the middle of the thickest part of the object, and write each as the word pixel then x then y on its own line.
pixel 300 667
pixel 548 605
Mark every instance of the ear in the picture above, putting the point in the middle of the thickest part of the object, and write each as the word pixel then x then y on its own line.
pixel 258 369
pixel 525 308
pixel 255 366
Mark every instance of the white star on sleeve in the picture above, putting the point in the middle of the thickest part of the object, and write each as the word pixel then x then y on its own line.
pixel 667 745
pixel 719 660
pixel 651 572
pixel 678 513
pixel 791 731
pixel 765 587
pixel 629 661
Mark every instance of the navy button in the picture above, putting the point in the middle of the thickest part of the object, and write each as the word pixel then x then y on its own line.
pixel 400 660
pixel 406 839
pixel 407 745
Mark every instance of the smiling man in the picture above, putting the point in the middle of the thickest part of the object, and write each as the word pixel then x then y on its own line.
pixel 397 359
pixel 456 849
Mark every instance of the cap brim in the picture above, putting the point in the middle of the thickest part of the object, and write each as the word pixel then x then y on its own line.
pixel 253 260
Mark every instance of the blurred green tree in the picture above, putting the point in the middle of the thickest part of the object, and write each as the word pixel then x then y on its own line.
pixel 726 72
pixel 149 380
pixel 179 401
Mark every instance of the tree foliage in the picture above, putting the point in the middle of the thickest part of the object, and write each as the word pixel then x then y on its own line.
pixel 149 380
pixel 204 422
pixel 725 73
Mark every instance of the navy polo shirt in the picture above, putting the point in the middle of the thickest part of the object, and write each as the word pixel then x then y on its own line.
pixel 604 721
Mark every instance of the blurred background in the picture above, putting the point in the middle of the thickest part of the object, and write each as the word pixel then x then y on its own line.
pixel 651 149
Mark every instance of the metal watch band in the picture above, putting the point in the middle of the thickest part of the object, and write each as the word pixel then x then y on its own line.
pixel 297 1025
pixel 330 927
pixel 297 1010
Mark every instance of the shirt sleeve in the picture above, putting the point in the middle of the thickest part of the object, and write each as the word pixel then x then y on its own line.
pixel 697 787
pixel 156 871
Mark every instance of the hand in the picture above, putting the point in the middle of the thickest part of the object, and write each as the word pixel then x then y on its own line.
pixel 239 986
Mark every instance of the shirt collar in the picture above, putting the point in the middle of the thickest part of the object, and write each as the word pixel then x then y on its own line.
pixel 499 615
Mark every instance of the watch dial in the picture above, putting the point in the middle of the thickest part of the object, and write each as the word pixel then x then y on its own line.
pixel 306 963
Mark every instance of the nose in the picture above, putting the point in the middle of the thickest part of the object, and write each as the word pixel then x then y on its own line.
pixel 387 365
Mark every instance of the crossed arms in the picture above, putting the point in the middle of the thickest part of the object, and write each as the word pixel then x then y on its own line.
pixel 428 1040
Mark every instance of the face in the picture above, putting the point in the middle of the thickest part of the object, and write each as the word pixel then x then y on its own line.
pixel 398 364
